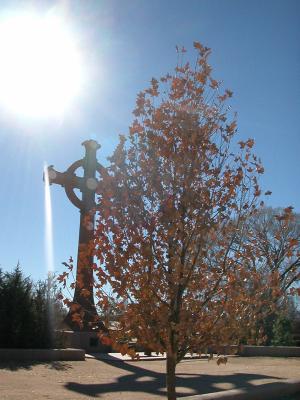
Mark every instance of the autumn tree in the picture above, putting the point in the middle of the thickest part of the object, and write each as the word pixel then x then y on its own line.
pixel 174 200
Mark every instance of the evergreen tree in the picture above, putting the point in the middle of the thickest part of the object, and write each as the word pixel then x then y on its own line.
pixel 29 313
pixel 17 320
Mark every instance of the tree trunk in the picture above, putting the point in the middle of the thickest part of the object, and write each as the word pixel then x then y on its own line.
pixel 171 377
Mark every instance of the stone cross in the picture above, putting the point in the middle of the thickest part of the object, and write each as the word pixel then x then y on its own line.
pixel 83 301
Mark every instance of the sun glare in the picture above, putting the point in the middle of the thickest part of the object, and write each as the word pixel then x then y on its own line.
pixel 40 68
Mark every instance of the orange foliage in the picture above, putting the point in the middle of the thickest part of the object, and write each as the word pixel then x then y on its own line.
pixel 171 209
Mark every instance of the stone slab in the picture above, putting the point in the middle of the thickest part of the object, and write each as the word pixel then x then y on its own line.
pixel 42 355
pixel 88 341
pixel 270 351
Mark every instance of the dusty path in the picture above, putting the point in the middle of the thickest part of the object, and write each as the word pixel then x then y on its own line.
pixel 136 380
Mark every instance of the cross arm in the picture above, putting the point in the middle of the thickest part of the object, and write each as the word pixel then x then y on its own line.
pixel 65 179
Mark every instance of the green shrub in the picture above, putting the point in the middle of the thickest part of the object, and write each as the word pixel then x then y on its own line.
pixel 282 332
pixel 28 312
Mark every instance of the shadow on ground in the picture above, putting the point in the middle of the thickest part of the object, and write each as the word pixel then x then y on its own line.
pixel 144 381
pixel 16 365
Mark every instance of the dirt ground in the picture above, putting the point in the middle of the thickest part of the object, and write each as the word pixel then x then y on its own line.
pixel 136 380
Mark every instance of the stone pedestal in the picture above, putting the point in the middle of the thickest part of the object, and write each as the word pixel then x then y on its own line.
pixel 87 341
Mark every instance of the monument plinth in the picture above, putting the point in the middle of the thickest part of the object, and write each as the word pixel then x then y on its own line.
pixel 83 301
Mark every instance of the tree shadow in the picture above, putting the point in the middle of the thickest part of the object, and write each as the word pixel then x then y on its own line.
pixel 144 381
pixel 59 365
pixel 27 365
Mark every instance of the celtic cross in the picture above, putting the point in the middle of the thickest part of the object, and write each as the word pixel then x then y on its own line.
pixel 83 301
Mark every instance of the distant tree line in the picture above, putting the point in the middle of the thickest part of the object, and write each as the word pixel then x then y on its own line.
pixel 29 312
pixel 273 235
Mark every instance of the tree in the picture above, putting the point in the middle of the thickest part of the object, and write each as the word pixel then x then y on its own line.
pixel 29 312
pixel 282 332
pixel 275 236
pixel 174 201
pixel 48 312
pixel 16 311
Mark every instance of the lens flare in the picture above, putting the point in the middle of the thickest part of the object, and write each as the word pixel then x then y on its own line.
pixel 49 251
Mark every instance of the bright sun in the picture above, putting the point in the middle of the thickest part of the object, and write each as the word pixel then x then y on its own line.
pixel 40 68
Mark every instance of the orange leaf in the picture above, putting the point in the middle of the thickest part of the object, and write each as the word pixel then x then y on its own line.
pixel 293 242
pixel 250 143
pixel 107 341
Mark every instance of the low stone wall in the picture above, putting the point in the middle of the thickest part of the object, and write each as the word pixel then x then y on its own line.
pixel 42 355
pixel 271 351
pixel 257 351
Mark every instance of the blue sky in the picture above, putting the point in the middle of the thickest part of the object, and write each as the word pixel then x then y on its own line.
pixel 255 52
